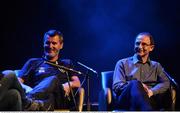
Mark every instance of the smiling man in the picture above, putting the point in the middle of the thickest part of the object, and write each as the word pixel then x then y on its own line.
pixel 138 82
pixel 49 83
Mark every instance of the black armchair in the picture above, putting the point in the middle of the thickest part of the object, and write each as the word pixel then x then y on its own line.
pixel 107 100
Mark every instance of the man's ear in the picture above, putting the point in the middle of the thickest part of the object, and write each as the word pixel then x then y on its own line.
pixel 152 48
pixel 61 46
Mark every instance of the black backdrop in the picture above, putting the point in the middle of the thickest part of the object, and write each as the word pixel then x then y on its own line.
pixel 97 32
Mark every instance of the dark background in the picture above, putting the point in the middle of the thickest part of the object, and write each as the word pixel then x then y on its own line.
pixel 97 32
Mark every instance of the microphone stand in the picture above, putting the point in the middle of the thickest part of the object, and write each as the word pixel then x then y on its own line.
pixel 66 69
pixel 171 79
pixel 88 84
pixel 74 100
pixel 88 91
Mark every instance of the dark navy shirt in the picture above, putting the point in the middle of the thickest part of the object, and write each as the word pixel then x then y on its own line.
pixel 35 70
pixel 150 73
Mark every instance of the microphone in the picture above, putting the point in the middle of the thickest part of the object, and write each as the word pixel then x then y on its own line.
pixel 94 71
pixel 63 67
pixel 171 79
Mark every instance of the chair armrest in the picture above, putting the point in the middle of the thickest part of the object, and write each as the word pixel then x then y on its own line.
pixel 81 99
pixel 105 99
pixel 109 95
pixel 173 97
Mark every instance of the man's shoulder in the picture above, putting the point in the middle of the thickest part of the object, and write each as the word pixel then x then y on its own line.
pixel 155 62
pixel 35 59
pixel 32 61
pixel 124 60
pixel 65 62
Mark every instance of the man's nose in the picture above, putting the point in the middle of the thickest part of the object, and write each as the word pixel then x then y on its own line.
pixel 51 45
pixel 140 45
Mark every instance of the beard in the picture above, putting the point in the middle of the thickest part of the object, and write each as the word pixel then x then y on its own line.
pixel 50 54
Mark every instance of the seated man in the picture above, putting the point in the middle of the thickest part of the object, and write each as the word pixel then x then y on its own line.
pixel 137 80
pixel 50 84
pixel 12 96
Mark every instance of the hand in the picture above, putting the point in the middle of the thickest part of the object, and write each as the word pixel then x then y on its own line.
pixel 66 88
pixel 149 91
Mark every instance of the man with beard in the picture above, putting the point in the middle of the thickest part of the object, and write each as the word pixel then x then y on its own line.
pixel 138 82
pixel 49 84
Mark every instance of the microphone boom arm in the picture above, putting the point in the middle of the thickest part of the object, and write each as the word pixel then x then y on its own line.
pixel 63 67
pixel 94 71
pixel 171 79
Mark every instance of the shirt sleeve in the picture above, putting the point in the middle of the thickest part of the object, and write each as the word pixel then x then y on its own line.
pixel 119 81
pixel 164 82
pixel 69 63
pixel 25 69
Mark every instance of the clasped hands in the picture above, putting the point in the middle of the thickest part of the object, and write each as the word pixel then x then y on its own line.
pixel 149 91
pixel 67 88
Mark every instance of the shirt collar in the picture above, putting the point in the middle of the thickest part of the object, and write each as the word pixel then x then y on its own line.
pixel 56 62
pixel 136 60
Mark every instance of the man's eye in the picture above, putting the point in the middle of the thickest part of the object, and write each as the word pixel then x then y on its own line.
pixel 137 43
pixel 47 42
pixel 144 44
pixel 54 43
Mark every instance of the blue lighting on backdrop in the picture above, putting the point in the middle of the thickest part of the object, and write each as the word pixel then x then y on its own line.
pixel 97 32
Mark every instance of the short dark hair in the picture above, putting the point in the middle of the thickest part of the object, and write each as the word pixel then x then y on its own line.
pixel 147 34
pixel 52 33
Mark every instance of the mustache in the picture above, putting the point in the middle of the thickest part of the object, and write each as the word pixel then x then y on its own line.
pixel 48 49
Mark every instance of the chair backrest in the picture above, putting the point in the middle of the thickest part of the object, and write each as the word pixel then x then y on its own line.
pixel 107 79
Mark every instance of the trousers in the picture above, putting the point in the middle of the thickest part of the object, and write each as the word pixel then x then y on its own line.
pixel 12 96
pixel 11 101
pixel 51 92
pixel 133 97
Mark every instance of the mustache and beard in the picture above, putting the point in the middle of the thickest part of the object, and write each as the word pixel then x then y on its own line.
pixel 50 52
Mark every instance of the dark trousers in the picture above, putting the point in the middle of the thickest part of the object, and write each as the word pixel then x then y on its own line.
pixel 50 91
pixel 11 101
pixel 12 95
pixel 134 98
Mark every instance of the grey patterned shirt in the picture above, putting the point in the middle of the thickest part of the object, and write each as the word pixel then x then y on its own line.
pixel 150 73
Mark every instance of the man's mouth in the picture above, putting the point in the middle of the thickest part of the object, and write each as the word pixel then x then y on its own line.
pixel 49 50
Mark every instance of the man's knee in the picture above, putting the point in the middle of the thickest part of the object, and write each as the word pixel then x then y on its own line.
pixel 52 81
pixel 9 74
pixel 43 89
pixel 52 78
pixel 135 83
